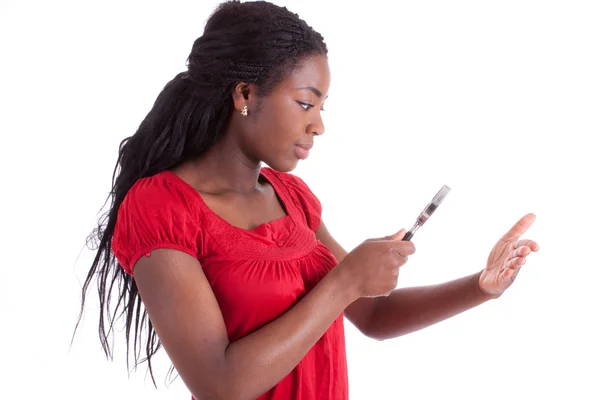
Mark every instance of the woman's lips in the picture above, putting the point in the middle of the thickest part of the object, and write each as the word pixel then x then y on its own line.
pixel 302 150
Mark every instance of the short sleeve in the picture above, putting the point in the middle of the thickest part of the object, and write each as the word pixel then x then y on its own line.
pixel 155 214
pixel 305 198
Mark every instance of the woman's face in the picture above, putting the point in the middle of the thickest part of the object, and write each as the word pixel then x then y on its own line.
pixel 280 128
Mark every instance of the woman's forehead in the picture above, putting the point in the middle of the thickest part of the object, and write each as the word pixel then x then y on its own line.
pixel 311 73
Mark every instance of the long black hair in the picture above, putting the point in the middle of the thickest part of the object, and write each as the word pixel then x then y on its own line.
pixel 254 42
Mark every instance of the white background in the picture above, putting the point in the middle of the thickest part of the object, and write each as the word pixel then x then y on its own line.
pixel 498 100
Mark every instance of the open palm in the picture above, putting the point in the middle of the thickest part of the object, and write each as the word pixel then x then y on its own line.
pixel 507 257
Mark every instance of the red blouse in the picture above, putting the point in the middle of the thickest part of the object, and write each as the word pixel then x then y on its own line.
pixel 256 275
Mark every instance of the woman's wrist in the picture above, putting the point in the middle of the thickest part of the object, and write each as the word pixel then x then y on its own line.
pixel 486 295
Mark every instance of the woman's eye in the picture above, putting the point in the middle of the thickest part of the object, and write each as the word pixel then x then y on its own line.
pixel 306 106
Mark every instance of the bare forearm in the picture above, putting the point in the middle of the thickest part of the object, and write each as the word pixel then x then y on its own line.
pixel 260 360
pixel 407 310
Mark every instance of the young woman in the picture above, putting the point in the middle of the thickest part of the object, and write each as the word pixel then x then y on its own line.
pixel 227 264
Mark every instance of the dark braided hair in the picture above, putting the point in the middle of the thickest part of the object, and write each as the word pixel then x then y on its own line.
pixel 253 42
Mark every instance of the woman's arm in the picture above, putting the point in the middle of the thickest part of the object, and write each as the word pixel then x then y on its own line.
pixel 189 323
pixel 406 310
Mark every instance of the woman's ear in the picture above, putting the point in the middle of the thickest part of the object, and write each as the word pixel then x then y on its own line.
pixel 243 95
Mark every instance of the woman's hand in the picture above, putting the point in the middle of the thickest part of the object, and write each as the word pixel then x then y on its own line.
pixel 507 257
pixel 373 266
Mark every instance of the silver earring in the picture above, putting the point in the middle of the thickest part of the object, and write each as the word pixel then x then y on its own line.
pixel 244 111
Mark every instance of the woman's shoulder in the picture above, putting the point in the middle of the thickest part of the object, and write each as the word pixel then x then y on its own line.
pixel 157 212
pixel 161 189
